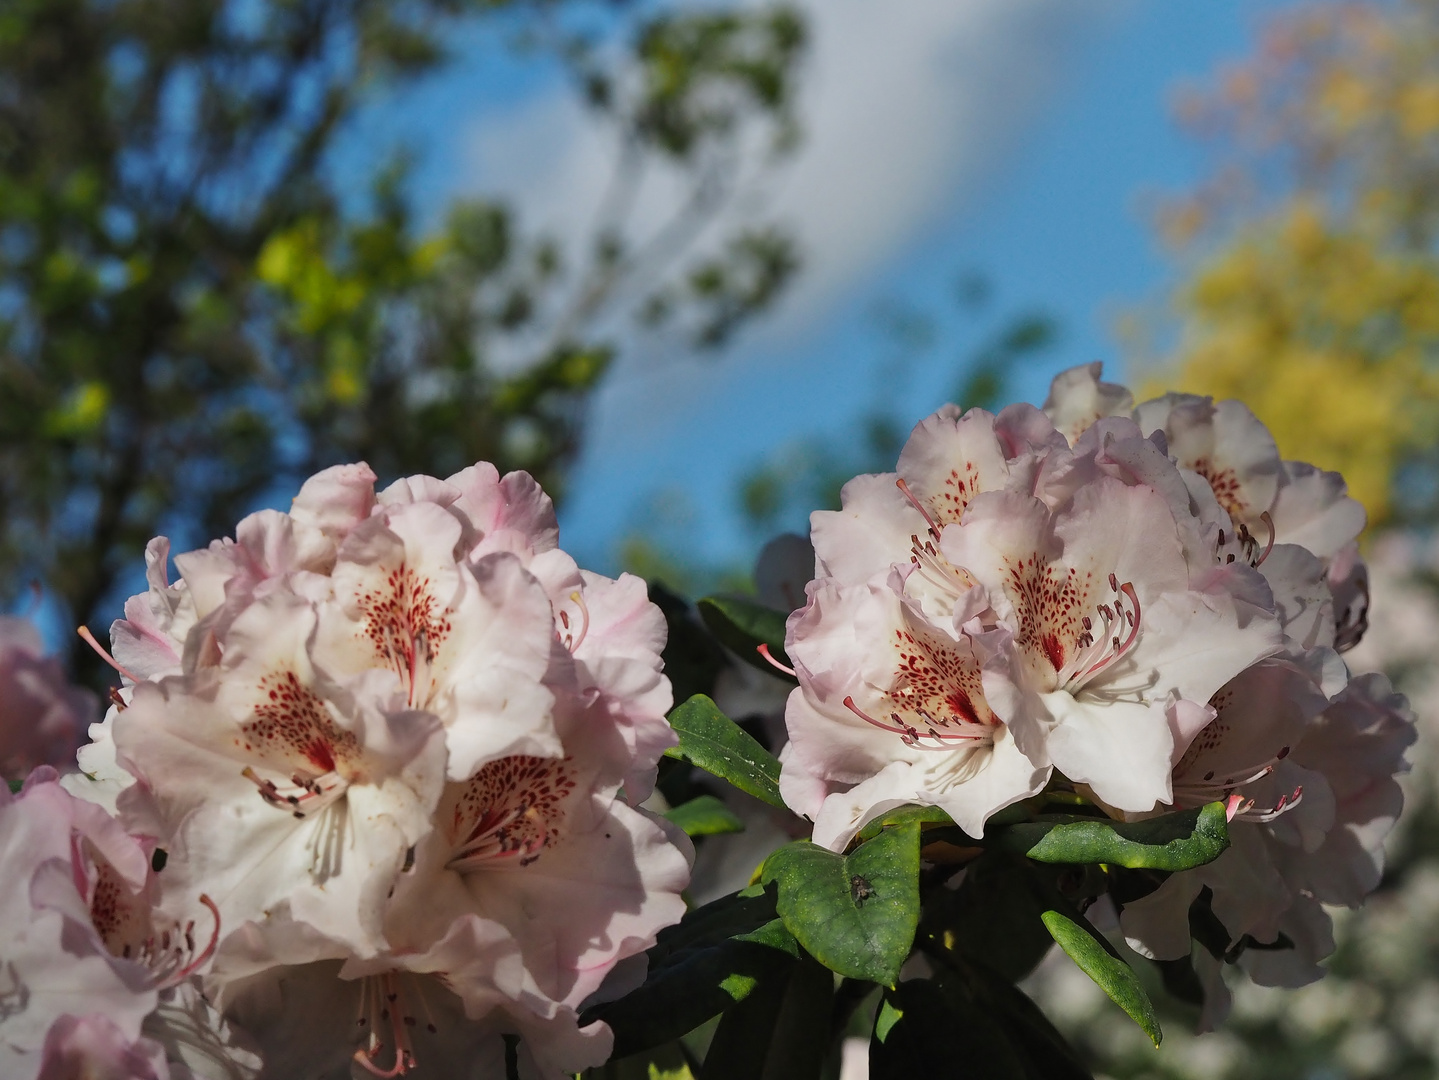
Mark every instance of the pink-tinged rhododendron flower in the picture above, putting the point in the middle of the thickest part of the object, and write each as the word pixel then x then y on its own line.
pixel 533 885
pixel 468 644
pixel 41 715
pixel 1307 766
pixel 274 785
pixel 891 710
pixel 94 1048
pixel 87 955
pixel 541 847
pixel 396 736
pixel 1078 399
pixel 1005 603
pixel 1109 627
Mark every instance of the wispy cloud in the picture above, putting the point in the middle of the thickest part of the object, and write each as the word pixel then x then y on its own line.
pixel 908 107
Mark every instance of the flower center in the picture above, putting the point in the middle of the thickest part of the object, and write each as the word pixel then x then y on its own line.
pixel 571 637
pixel 293 724
pixel 937 698
pixel 406 626
pixel 1195 788
pixel 1246 543
pixel 509 813
pixel 1107 636
pixel 127 926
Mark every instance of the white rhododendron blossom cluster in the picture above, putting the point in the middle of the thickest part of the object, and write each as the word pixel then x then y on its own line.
pixel 366 803
pixel 1141 606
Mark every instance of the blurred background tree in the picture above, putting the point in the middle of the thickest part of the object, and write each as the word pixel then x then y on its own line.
pixel 194 311
pixel 1313 246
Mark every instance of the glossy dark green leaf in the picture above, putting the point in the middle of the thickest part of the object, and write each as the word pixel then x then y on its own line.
pixel 714 957
pixel 1178 841
pixel 854 913
pixel 801 1032
pixel 775 935
pixel 985 997
pixel 696 985
pixel 919 1035
pixel 922 1025
pixel 743 626
pixel 994 916
pixel 669 1061
pixel 742 1040
pixel 705 816
pixel 1097 959
pixel 712 741
pixel 728 917
pixel 779 1032
pixel 923 815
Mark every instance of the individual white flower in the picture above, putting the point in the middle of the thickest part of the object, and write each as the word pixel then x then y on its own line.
pixel 87 955
pixel 891 710
pixel 1307 765
pixel 1078 399
pixel 1109 626
pixel 272 785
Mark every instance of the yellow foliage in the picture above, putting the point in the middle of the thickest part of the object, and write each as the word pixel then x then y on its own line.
pixel 1326 335
pixel 82 411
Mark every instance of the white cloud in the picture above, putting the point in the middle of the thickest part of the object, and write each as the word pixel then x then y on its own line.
pixel 910 108
pixel 907 107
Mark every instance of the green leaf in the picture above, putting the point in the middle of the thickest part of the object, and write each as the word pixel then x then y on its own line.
pixel 712 741
pixel 924 815
pixel 780 1031
pixel 743 626
pixel 855 913
pixel 1178 841
pixel 919 1034
pixel 705 816
pixel 988 1001
pixel 801 1031
pixel 773 934
pixel 994 916
pixel 1097 959
pixel 679 996
pixel 715 956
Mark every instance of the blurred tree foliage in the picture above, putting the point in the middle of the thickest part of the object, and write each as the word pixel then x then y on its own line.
pixel 1314 294
pixel 191 318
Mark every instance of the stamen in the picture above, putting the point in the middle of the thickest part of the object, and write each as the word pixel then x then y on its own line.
pixel 194 965
pixel 584 624
pixel 1232 806
pixel 763 649
pixel 89 639
pixel 911 736
pixel 1268 521
pixel 404 1051
pixel 310 794
pixel 933 529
